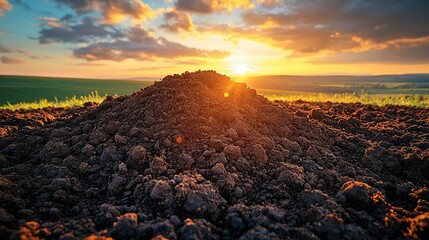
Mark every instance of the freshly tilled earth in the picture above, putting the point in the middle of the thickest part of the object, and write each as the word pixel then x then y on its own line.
pixel 183 160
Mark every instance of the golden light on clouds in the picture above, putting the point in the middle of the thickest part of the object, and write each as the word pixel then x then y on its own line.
pixel 232 4
pixel 128 38
pixel 4 5
pixel 115 12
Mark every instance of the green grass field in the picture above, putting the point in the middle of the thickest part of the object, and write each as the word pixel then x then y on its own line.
pixel 74 101
pixel 16 89
pixel 17 92
pixel 414 100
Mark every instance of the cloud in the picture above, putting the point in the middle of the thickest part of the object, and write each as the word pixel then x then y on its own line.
pixel 140 45
pixel 29 55
pixel 10 60
pixel 210 6
pixel 52 22
pixel 11 50
pixel 375 20
pixel 407 54
pixel 177 20
pixel 314 27
pixel 270 3
pixel 300 40
pixel 113 11
pixel 4 49
pixel 22 4
pixel 4 6
pixel 55 30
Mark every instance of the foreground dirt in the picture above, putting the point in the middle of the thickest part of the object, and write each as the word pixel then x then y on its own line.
pixel 183 160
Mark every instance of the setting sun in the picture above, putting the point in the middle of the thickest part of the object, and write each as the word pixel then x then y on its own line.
pixel 241 69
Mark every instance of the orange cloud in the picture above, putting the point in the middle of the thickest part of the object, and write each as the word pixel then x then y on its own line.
pixel 367 44
pixel 209 6
pixel 4 5
pixel 138 11
pixel 232 4
pixel 178 20
pixel 10 60
pixel 51 22
pixel 113 11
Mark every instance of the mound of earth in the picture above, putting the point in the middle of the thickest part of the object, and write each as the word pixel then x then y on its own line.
pixel 197 156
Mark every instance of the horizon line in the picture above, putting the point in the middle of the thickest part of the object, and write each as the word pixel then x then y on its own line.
pixel 148 78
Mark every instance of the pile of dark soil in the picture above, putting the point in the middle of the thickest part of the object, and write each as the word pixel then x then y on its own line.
pixel 184 160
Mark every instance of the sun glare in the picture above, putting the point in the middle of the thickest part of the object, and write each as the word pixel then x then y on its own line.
pixel 179 139
pixel 241 69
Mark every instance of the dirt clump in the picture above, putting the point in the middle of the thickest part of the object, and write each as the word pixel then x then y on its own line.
pixel 184 160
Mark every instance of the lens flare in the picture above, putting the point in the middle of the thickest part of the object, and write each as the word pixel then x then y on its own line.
pixel 179 139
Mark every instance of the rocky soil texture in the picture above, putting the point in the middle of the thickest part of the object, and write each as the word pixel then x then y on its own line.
pixel 183 160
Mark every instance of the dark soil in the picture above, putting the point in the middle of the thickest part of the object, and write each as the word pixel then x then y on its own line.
pixel 178 160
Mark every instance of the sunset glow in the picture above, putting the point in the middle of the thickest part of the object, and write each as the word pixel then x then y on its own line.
pixel 241 69
pixel 136 38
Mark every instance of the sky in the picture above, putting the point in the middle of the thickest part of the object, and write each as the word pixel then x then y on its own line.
pixel 147 38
